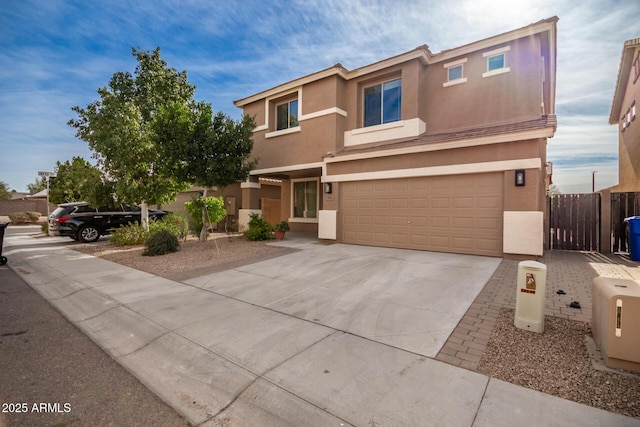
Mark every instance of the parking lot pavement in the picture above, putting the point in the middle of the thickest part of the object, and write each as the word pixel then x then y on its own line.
pixel 53 374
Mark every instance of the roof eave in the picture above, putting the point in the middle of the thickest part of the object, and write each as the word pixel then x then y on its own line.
pixel 624 70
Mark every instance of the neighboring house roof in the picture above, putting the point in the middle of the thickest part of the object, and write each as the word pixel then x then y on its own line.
pixel 421 52
pixel 40 194
pixel 624 71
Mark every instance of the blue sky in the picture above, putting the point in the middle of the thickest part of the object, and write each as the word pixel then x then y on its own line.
pixel 55 54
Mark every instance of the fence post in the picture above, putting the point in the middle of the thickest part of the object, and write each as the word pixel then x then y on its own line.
pixel 605 221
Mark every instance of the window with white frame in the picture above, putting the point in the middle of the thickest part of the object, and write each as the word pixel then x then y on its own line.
pixel 382 103
pixel 304 200
pixel 628 117
pixel 287 115
pixel 455 72
pixel 496 61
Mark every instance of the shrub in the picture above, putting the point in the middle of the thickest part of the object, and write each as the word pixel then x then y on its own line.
pixel 18 218
pixel 259 228
pixel 215 211
pixel 131 234
pixel 282 226
pixel 174 223
pixel 45 228
pixel 160 243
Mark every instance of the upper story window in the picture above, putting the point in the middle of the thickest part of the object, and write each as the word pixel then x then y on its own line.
pixel 496 61
pixel 287 115
pixel 382 103
pixel 636 68
pixel 455 72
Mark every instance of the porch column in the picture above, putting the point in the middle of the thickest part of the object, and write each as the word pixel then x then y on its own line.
pixel 250 201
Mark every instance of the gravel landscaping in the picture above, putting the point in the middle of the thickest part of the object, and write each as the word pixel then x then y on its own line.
pixel 557 362
pixel 193 259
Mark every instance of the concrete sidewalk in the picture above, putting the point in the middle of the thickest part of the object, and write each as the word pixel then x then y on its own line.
pixel 255 358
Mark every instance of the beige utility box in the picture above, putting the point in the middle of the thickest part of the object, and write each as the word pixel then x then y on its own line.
pixel 615 321
pixel 532 280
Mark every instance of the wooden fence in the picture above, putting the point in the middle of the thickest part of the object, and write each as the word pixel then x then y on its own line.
pixel 591 222
pixel 574 221
pixel 623 205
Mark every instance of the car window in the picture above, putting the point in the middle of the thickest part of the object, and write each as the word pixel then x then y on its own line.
pixel 110 209
pixel 131 208
pixel 84 208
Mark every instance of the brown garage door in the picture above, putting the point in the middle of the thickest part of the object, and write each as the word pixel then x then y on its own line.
pixel 459 214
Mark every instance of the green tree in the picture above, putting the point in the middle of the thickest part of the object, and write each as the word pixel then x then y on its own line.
pixel 121 128
pixel 37 186
pixel 77 181
pixel 5 194
pixel 217 148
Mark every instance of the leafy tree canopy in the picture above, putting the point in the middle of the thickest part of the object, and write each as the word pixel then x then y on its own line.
pixel 37 186
pixel 217 149
pixel 122 128
pixel 78 181
pixel 5 194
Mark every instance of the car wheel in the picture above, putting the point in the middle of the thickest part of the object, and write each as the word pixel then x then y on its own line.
pixel 3 260
pixel 88 234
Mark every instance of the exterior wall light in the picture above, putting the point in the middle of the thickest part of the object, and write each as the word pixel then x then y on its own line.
pixel 328 187
pixel 520 178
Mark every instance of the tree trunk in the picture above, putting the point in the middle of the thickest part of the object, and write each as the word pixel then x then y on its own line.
pixel 203 232
pixel 144 215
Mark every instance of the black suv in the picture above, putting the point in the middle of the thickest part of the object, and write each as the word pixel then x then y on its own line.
pixel 82 222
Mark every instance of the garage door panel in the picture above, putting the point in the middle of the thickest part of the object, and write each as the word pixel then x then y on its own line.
pixel 399 220
pixel 491 224
pixel 488 202
pixel 382 220
pixel 460 214
pixel 382 203
pixel 397 203
pixel 440 222
pixel 463 223
pixel 365 204
pixel 419 221
pixel 440 202
pixel 365 220
pixel 463 202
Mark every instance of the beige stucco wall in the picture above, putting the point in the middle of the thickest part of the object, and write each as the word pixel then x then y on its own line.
pixel 629 140
pixel 480 102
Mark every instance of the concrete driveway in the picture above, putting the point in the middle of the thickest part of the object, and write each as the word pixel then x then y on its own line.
pixel 329 335
pixel 408 299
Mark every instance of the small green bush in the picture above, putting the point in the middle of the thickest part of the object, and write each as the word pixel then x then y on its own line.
pixel 176 224
pixel 18 218
pixel 282 226
pixel 45 228
pixel 215 211
pixel 131 234
pixel 160 243
pixel 259 228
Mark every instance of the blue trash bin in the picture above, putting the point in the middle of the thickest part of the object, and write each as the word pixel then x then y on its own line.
pixel 633 225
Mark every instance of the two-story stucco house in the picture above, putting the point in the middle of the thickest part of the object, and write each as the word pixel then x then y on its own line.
pixel 442 152
pixel 623 114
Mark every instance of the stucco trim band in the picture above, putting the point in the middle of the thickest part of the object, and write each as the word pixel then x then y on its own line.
pixel 459 169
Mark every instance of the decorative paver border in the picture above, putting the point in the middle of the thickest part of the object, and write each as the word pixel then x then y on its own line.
pixel 572 272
